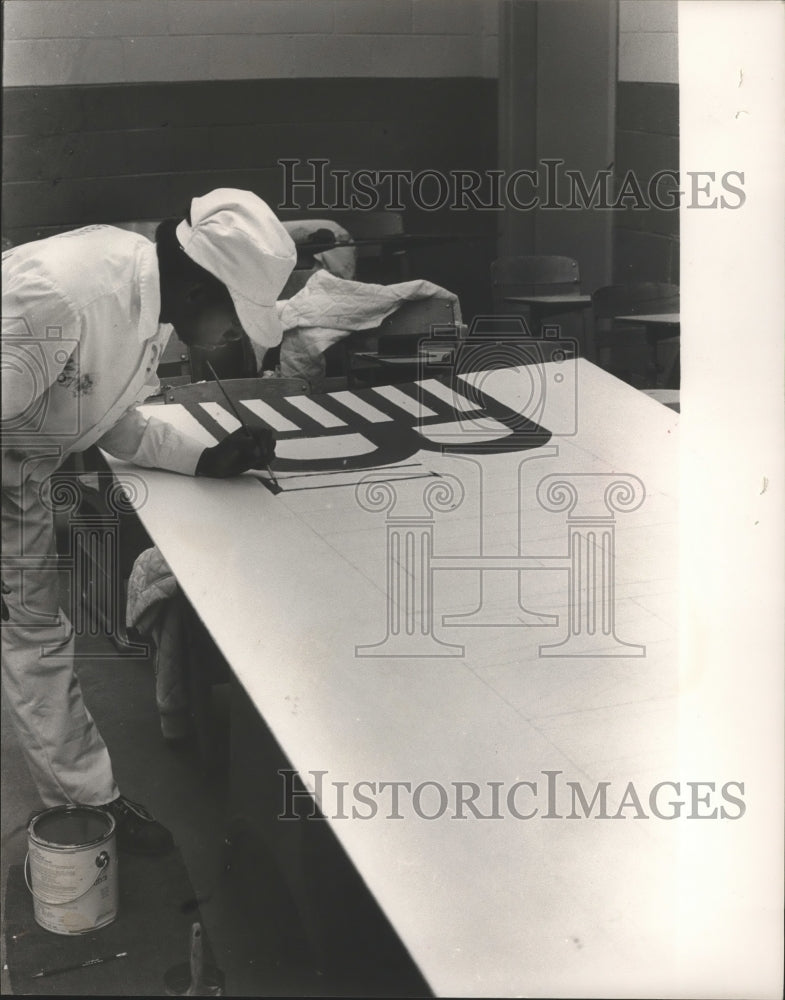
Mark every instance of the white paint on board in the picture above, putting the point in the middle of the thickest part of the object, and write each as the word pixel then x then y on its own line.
pixel 316 412
pixel 221 416
pixel 334 446
pixel 360 406
pixel 404 402
pixel 269 415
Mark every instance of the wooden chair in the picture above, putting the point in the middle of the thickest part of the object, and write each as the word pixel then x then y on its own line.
pixel 394 351
pixel 238 389
pixel 174 365
pixel 309 234
pixel 385 262
pixel 614 309
pixel 539 288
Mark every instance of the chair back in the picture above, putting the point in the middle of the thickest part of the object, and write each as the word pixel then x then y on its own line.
pixel 180 363
pixel 237 390
pixel 310 233
pixel 418 317
pixel 400 334
pixel 635 299
pixel 174 365
pixel 379 262
pixel 403 329
pixel 622 346
pixel 540 274
pixel 366 225
pixel 374 262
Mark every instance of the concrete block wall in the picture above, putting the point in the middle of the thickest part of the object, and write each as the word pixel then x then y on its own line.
pixel 646 243
pixel 648 41
pixel 119 110
pixel 61 42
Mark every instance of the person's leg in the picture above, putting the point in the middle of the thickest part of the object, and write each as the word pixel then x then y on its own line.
pixel 65 752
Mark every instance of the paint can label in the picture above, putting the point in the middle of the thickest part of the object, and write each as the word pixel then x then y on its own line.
pixel 73 869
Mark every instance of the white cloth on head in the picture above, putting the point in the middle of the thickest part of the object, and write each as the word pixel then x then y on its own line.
pixel 235 236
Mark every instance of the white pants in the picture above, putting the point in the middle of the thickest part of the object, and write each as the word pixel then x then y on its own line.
pixel 65 752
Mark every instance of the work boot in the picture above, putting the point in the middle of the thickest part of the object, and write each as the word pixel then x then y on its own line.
pixel 136 830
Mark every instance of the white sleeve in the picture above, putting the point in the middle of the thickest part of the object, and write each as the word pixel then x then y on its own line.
pixel 152 443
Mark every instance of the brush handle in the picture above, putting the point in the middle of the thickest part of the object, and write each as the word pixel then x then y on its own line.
pixel 197 961
pixel 229 402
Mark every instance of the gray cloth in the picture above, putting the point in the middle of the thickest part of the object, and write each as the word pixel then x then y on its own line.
pixel 155 607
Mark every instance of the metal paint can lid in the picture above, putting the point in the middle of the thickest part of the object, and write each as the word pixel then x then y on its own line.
pixel 68 828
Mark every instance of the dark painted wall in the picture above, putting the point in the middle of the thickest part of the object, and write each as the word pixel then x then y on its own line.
pixel 518 48
pixel 646 242
pixel 576 74
pixel 75 155
pixel 557 73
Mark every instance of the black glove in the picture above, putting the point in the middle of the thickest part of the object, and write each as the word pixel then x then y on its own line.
pixel 253 448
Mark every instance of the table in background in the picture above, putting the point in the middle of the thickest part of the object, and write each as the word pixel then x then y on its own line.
pixel 658 326
pixel 542 307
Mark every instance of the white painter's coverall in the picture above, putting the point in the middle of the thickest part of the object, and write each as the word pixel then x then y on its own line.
pixel 81 341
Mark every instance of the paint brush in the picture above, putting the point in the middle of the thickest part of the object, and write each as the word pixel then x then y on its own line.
pixel 194 978
pixel 243 424
pixel 196 962
pixel 82 965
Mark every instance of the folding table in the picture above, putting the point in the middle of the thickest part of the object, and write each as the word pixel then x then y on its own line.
pixel 466 586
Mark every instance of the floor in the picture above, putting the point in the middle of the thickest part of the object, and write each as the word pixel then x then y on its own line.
pixel 261 952
pixel 171 783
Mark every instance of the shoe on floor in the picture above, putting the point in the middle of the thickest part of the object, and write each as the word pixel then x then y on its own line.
pixel 136 830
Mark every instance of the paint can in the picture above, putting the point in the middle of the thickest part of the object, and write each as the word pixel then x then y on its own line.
pixel 72 862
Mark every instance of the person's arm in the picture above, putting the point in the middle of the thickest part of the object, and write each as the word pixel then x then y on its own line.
pixel 152 444
pixel 155 444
